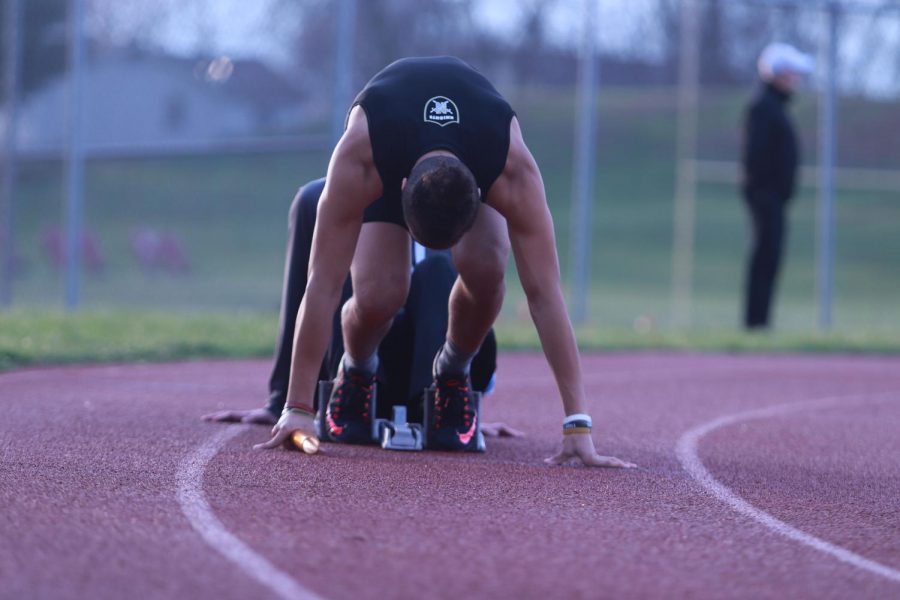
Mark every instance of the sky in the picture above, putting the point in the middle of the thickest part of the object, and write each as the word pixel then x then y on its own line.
pixel 242 29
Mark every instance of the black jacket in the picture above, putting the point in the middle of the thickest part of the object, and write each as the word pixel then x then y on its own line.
pixel 771 152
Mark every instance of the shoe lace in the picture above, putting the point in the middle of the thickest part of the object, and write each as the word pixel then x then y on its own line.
pixel 453 403
pixel 355 403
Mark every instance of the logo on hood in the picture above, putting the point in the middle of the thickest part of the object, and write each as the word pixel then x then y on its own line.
pixel 441 111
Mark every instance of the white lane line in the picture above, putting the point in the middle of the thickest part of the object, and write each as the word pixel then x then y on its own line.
pixel 203 520
pixel 686 449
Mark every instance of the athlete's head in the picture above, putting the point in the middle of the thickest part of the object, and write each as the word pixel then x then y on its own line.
pixel 440 201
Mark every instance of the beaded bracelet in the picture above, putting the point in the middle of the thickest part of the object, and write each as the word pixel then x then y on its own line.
pixel 576 427
pixel 577 423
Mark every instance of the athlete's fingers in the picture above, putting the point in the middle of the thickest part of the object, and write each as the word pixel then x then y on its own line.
pixel 500 430
pixel 507 431
pixel 224 416
pixel 259 418
pixel 277 439
pixel 559 459
pixel 608 461
pixel 273 443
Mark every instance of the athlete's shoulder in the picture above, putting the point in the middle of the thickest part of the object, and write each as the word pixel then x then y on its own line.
pixel 353 152
pixel 355 139
pixel 520 168
pixel 519 156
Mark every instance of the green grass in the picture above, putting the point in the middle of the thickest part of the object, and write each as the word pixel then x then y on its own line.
pixel 38 337
pixel 516 337
pixel 230 212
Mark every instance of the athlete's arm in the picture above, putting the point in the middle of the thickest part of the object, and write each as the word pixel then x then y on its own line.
pixel 518 194
pixel 352 183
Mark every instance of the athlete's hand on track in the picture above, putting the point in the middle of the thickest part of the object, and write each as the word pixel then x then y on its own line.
pixel 286 425
pixel 500 430
pixel 581 446
pixel 258 416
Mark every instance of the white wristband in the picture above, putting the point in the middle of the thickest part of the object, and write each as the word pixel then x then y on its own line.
pixel 578 417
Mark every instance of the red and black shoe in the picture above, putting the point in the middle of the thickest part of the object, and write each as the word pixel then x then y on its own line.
pixel 348 417
pixel 454 416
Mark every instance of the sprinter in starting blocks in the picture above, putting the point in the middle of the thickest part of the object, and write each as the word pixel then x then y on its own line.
pixel 404 372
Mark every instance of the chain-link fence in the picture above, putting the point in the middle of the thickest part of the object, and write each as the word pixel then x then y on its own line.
pixel 198 122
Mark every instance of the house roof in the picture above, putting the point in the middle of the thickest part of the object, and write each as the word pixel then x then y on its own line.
pixel 248 80
pixel 257 83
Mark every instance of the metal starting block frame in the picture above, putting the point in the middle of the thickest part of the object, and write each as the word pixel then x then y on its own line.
pixel 397 433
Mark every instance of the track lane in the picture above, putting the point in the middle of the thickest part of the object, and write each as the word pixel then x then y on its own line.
pixel 406 525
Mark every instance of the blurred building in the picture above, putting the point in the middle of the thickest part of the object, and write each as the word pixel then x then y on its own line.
pixel 133 99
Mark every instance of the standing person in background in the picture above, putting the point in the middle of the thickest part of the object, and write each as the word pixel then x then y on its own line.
pixel 770 158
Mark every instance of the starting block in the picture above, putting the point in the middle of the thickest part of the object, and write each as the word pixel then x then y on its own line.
pixel 397 433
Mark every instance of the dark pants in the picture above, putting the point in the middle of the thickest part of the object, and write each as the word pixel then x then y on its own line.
pixel 769 231
pixel 408 349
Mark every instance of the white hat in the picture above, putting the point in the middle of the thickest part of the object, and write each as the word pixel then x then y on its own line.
pixel 780 58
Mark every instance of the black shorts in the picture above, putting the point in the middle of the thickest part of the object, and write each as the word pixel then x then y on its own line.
pixel 385 210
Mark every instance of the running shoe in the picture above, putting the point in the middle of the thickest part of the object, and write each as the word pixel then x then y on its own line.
pixel 348 416
pixel 454 416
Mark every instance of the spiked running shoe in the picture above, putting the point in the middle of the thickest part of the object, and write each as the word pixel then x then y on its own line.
pixel 454 417
pixel 349 413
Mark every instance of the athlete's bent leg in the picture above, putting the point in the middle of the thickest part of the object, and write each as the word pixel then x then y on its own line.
pixel 380 273
pixel 426 316
pixel 480 258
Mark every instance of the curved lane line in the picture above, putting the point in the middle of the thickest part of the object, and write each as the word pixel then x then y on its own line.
pixel 686 449
pixel 203 520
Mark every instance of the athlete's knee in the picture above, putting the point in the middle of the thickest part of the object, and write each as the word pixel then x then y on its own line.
pixel 379 298
pixel 485 272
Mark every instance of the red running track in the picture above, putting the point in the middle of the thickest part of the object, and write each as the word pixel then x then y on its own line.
pixel 760 477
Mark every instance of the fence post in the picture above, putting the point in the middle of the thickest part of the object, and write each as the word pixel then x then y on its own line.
pixel 583 175
pixel 827 144
pixel 7 195
pixel 685 155
pixel 74 209
pixel 343 77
